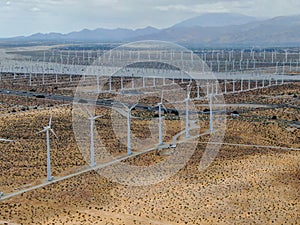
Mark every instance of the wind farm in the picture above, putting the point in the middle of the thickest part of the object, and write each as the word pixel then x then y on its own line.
pixel 149 132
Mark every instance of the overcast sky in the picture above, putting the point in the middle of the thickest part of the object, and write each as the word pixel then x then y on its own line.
pixel 25 17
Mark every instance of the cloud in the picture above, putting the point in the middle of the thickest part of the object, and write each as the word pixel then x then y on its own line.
pixel 17 17
pixel 172 7
pixel 35 9
pixel 198 8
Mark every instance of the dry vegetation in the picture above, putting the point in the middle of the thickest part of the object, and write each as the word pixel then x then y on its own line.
pixel 23 161
pixel 244 185
pixel 14 104
pixel 282 94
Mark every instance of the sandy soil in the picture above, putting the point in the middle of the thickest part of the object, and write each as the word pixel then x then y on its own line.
pixel 243 185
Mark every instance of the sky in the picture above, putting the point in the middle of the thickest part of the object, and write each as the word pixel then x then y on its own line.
pixel 26 17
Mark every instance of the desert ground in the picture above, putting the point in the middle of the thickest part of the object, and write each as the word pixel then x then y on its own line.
pixel 244 184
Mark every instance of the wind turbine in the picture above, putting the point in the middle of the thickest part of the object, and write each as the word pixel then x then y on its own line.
pixel 92 148
pixel 160 104
pixel 187 129
pixel 210 113
pixel 129 152
pixel 48 129
pixel 44 59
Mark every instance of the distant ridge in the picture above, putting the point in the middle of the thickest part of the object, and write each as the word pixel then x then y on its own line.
pixel 216 29
pixel 278 31
pixel 98 34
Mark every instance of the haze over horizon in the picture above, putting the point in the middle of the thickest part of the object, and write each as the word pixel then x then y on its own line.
pixel 26 17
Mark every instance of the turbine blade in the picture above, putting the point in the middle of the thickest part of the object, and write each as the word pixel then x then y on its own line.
pixel 124 105
pixel 52 131
pixel 88 111
pixel 96 117
pixel 188 91
pixel 135 117
pixel 50 120
pixel 133 106
pixel 42 131
pixel 164 108
pixel 162 96
pixel 6 140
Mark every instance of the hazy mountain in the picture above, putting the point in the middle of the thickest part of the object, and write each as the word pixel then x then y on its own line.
pixel 109 34
pixel 216 20
pixel 97 35
pixel 275 31
pixel 206 30
pixel 281 30
pixel 49 36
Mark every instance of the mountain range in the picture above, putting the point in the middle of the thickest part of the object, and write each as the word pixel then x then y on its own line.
pixel 213 29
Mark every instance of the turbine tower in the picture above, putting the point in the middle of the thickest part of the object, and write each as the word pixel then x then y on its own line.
pixel 129 152
pixel 92 147
pixel 210 113
pixel 48 129
pixel 187 129
pixel 160 126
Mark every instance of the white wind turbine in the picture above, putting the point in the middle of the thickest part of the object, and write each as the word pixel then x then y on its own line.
pixel 187 129
pixel 160 126
pixel 48 129
pixel 129 152
pixel 211 113
pixel 92 147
